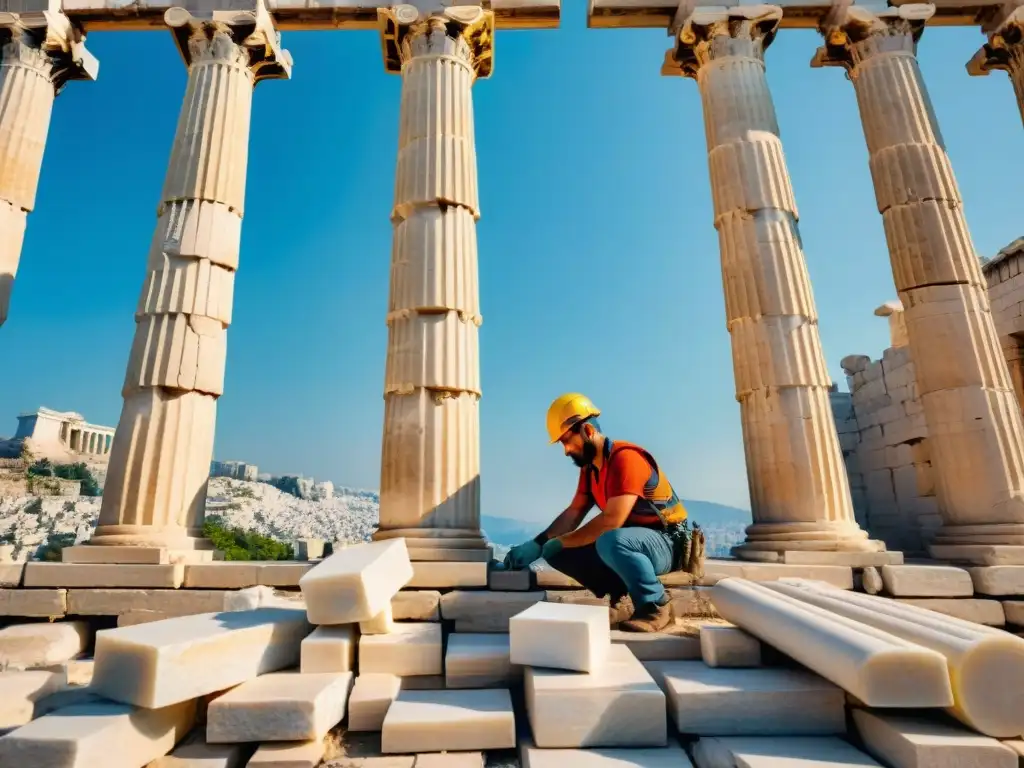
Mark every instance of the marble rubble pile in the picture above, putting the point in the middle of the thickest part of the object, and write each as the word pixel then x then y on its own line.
pixel 800 672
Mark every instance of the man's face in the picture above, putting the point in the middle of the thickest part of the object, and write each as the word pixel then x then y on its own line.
pixel 579 447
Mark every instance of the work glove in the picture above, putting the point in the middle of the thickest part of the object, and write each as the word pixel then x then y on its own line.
pixel 551 548
pixel 521 555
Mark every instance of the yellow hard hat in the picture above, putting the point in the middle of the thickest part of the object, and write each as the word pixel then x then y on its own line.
pixel 567 410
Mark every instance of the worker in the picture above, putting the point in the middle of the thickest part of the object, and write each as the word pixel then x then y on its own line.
pixel 641 532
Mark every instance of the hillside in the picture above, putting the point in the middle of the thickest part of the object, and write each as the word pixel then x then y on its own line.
pixel 349 515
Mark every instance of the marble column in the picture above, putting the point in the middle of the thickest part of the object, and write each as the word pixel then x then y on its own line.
pixel 430 458
pixel 1004 50
pixel 159 466
pixel 975 430
pixel 39 53
pixel 799 490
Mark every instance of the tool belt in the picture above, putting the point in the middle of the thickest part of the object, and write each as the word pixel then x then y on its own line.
pixel 687 548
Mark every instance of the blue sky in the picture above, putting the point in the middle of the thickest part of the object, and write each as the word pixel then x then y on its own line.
pixel 599 262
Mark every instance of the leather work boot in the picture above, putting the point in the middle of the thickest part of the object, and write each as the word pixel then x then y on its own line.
pixel 621 609
pixel 649 617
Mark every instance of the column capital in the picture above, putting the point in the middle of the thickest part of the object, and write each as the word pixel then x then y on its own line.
pixel 1003 49
pixel 409 30
pixel 251 31
pixel 54 35
pixel 712 32
pixel 853 33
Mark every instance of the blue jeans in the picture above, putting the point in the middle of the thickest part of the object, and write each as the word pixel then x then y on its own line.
pixel 622 561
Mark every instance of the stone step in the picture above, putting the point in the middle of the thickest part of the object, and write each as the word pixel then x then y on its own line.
pixel 570 710
pixel 705 700
pixel 910 741
pixel 436 721
pixel 479 660
pixel 414 648
pixel 672 756
pixel 773 752
pixel 281 706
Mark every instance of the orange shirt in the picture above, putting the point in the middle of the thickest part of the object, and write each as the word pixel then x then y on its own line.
pixel 626 472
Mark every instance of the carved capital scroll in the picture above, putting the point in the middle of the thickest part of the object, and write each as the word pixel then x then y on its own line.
pixel 712 32
pixel 853 34
pixel 465 33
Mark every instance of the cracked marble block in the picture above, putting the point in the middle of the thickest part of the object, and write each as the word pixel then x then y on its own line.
pixel 776 752
pixel 479 660
pixel 329 649
pixel 370 699
pixel 98 734
pixel 617 705
pixel 283 706
pixel 723 646
pixel 709 701
pixel 436 721
pixel 583 633
pixel 356 583
pixel 912 741
pixel 414 648
pixel 880 669
pixel 672 756
pixel 164 662
pixel 926 581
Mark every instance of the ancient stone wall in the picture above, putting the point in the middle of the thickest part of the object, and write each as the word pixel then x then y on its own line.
pixel 881 422
pixel 884 439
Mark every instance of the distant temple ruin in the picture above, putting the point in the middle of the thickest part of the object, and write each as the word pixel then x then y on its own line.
pixel 64 432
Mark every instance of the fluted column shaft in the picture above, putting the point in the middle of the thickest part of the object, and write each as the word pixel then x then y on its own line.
pixel 155 492
pixel 799 490
pixel 36 60
pixel 975 430
pixel 1004 50
pixel 430 457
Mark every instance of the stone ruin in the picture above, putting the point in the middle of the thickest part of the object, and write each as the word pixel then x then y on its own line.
pixel 368 659
pixel 817 644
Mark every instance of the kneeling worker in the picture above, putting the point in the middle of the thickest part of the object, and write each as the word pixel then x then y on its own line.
pixel 642 530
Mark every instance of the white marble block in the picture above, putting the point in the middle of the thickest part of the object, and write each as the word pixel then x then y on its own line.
pixel 617 705
pixel 709 701
pixel 414 648
pixel 724 646
pixel 774 752
pixel 19 692
pixel 295 754
pixel 438 721
pixel 672 756
pixel 356 583
pixel 164 662
pixel 283 706
pixel 105 734
pixel 584 636
pixel 370 699
pixel 479 660
pixel 42 644
pixel 907 741
pixel 194 752
pixel 329 649
pixel 380 624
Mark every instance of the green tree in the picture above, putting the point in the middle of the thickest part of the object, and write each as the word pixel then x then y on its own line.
pixel 238 544
pixel 55 542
